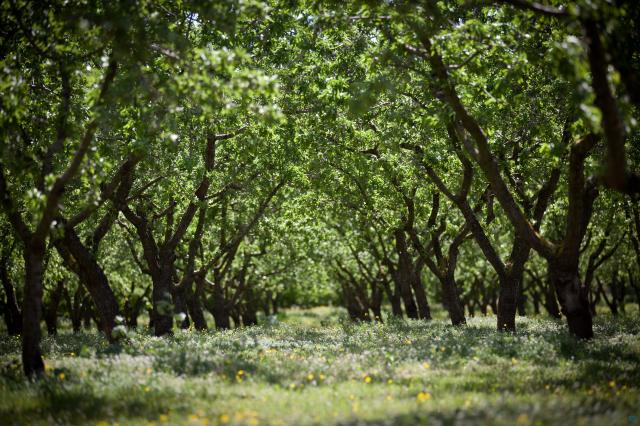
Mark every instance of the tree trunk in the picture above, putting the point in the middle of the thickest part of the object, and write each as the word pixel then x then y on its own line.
pixel 51 309
pixel 424 312
pixel 572 296
pixel 394 298
pixel 452 301
pixel 522 304
pixel 249 315
pixel 507 303
pixel 32 362
pixel 82 262
pixel 195 307
pixel 551 301
pixel 404 275
pixel 234 313
pixel 12 314
pixel 376 300
pixel 75 308
pixel 180 305
pixel 354 308
pixel 535 300
pixel 162 303
pixel 218 307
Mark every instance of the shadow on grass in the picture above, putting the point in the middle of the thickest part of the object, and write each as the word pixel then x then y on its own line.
pixel 78 405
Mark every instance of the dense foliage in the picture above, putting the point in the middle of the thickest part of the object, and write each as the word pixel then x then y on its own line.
pixel 194 164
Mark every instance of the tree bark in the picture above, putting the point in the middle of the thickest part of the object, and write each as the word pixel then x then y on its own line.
pixel 452 301
pixel 12 314
pixel 82 262
pixel 32 362
pixel 572 296
pixel 51 309
pixel 161 297
pixel 217 305
pixel 195 306
pixel 424 311
pixel 404 275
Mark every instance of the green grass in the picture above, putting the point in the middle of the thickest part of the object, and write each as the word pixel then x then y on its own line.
pixel 315 369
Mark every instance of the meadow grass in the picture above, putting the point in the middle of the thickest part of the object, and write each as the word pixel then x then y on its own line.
pixel 315 368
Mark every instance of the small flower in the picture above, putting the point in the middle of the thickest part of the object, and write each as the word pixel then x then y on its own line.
pixel 390 381
pixel 612 384
pixel 367 379
pixel 224 418
pixel 322 376
pixel 423 396
pixel 522 419
pixel 310 377
pixel 163 418
pixel 102 423
pixel 514 361
pixel 426 365
pixel 61 376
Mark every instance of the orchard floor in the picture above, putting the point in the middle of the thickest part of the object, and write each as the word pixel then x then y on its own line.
pixel 313 369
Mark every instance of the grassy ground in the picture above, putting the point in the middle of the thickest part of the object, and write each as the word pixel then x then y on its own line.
pixel 314 369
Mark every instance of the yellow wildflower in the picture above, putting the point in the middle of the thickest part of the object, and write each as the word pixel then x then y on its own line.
pixel 367 379
pixel 310 377
pixel 224 418
pixel 390 381
pixel 423 396
pixel 163 418
pixel 102 423
pixel 61 376
pixel 322 376
pixel 612 384
pixel 426 365
pixel 522 419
